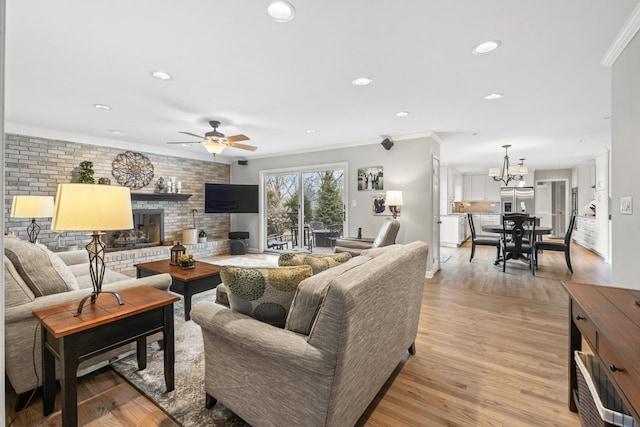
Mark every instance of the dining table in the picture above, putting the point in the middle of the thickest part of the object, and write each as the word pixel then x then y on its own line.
pixel 498 229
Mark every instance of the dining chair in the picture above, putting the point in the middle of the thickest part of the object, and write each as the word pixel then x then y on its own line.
pixel 564 246
pixel 519 233
pixel 481 241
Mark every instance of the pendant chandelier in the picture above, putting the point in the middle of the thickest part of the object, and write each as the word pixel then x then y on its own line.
pixel 508 172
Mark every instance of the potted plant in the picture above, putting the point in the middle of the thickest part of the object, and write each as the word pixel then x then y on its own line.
pixel 186 261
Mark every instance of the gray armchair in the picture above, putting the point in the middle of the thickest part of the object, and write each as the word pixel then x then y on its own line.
pixel 386 236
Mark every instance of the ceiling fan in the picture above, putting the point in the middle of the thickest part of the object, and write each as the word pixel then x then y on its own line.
pixel 215 141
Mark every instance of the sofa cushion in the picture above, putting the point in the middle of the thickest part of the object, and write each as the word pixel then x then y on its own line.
pixel 81 273
pixel 318 262
pixel 42 270
pixel 310 295
pixel 263 293
pixel 16 291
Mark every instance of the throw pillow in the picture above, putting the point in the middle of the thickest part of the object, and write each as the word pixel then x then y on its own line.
pixel 263 293
pixel 318 262
pixel 16 291
pixel 42 270
pixel 310 295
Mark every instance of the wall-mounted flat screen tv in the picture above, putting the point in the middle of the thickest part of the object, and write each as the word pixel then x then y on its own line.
pixel 230 198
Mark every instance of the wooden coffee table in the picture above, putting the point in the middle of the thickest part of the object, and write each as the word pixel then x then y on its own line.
pixel 102 326
pixel 186 282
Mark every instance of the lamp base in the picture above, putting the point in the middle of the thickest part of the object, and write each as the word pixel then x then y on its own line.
pixel 33 230
pixel 95 249
pixel 94 297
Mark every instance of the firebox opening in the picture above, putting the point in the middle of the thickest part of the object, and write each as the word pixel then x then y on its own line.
pixel 148 230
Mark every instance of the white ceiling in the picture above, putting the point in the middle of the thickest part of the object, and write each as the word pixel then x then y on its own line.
pixel 273 81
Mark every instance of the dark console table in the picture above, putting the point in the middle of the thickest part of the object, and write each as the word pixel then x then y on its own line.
pixel 608 319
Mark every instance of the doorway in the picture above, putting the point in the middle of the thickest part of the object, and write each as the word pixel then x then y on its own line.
pixel 552 205
pixel 305 208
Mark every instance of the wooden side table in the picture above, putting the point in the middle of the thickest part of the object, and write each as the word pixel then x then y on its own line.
pixel 101 327
pixel 608 318
pixel 188 282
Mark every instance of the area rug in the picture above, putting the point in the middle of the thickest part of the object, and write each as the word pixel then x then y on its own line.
pixel 242 261
pixel 186 402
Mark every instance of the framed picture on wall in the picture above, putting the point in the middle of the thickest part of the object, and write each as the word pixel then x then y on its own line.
pixel 379 205
pixel 370 178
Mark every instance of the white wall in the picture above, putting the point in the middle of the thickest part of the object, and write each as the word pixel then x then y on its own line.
pixel 625 154
pixel 407 167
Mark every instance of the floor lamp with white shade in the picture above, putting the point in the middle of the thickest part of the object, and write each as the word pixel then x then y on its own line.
pixel 95 208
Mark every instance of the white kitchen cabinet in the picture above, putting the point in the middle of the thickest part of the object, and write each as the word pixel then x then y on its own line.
pixel 492 190
pixel 585 231
pixel 466 188
pixel 479 188
pixel 478 183
pixel 602 223
pixel 574 177
pixel 450 188
pixel 453 230
pixel 458 186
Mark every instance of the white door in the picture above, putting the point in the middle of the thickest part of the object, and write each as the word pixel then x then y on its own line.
pixel 435 209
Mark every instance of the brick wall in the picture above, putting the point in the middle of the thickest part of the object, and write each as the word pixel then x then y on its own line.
pixel 36 166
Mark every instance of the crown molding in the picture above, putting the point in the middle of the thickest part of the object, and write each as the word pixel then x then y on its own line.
pixel 626 33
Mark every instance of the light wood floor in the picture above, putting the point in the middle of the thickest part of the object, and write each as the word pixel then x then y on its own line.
pixel 492 350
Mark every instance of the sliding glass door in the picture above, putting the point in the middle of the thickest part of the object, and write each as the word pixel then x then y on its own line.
pixel 305 208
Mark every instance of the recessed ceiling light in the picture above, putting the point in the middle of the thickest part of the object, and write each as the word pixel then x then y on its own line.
pixel 311 131
pixel 607 117
pixel 486 47
pixel 493 96
pixel 115 132
pixel 281 11
pixel 402 114
pixel 102 107
pixel 161 75
pixel 362 81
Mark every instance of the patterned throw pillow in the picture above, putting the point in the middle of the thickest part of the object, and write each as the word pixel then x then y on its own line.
pixel 263 293
pixel 318 262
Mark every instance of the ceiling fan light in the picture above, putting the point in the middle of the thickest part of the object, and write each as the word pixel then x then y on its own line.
pixel 214 147
pixel 281 11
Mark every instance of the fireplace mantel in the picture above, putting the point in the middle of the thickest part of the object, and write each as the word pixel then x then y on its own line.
pixel 159 196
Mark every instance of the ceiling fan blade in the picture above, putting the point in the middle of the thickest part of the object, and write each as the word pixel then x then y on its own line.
pixel 184 142
pixel 243 146
pixel 192 134
pixel 235 138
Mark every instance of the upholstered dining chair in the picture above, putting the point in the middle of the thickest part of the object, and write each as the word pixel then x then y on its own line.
pixel 564 246
pixel 519 232
pixel 481 241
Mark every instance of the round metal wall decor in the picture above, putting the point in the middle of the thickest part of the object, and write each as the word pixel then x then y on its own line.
pixel 131 169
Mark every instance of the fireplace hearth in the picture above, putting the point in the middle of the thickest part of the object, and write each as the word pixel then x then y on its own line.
pixel 148 230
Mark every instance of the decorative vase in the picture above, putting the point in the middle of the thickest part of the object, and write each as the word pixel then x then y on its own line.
pixel 189 236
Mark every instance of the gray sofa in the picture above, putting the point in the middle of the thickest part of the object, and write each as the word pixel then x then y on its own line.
pixel 363 322
pixel 34 278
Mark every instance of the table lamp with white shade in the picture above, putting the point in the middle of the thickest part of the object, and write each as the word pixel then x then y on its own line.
pixel 95 208
pixel 393 199
pixel 33 207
